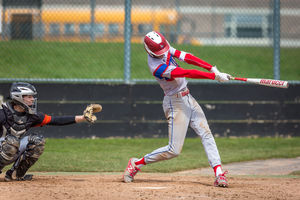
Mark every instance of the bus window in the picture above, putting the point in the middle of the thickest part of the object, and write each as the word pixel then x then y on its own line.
pixel 144 28
pixel 99 29
pixel 169 31
pixel 54 29
pixel 113 29
pixel 39 30
pixel 69 29
pixel 84 29
pixel 162 29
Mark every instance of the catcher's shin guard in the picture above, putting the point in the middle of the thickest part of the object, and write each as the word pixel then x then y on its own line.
pixel 9 149
pixel 19 169
pixel 1 167
pixel 35 146
pixel 23 167
pixel 11 175
pixel 34 150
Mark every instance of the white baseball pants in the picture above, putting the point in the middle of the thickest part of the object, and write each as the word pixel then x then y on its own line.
pixel 180 113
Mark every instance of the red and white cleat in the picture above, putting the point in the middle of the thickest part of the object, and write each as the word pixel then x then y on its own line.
pixel 130 170
pixel 221 180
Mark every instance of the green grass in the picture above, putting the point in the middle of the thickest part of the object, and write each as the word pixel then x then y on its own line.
pixel 297 173
pixel 35 59
pixel 111 155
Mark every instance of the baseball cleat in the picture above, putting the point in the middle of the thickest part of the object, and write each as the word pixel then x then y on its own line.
pixel 11 176
pixel 130 170
pixel 27 177
pixel 221 180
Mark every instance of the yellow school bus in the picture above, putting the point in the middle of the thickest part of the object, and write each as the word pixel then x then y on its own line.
pixel 108 24
pixel 62 24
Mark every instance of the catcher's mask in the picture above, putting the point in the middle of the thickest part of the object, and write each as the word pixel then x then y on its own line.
pixel 20 89
pixel 155 44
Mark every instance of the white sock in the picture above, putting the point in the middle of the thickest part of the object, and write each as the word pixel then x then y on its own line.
pixel 219 171
pixel 140 166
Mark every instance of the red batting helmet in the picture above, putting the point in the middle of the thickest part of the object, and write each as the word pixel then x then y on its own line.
pixel 156 44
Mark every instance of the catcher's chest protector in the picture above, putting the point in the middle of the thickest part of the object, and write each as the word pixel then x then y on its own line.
pixel 15 124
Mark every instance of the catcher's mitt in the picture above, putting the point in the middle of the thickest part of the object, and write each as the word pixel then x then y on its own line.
pixel 88 113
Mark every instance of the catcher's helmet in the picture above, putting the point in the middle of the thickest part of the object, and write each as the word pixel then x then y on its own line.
pixel 155 44
pixel 18 90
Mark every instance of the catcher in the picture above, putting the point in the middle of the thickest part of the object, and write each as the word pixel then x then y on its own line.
pixel 17 116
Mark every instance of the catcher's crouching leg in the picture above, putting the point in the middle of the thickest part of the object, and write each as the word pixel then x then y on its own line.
pixel 34 149
pixel 8 150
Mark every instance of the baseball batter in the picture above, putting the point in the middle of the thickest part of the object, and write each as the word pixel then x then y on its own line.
pixel 180 108
pixel 17 116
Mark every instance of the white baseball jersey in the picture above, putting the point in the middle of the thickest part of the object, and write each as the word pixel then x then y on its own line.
pixel 161 70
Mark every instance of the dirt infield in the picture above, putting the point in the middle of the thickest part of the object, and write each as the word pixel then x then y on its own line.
pixel 148 186
pixel 278 166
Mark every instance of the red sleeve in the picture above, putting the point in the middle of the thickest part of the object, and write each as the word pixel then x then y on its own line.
pixel 190 59
pixel 177 53
pixel 191 73
pixel 46 120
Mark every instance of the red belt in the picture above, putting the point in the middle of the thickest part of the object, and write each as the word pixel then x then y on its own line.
pixel 183 93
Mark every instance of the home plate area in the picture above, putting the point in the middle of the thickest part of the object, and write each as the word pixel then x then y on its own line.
pixel 158 186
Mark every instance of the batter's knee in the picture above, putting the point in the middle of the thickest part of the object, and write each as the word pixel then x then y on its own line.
pixel 174 152
pixel 207 135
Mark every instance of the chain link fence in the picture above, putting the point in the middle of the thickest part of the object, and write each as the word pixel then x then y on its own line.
pixel 80 40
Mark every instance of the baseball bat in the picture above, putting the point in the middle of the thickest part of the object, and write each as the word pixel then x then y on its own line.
pixel 266 82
